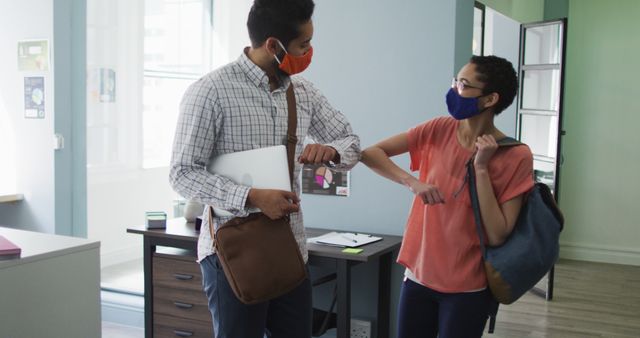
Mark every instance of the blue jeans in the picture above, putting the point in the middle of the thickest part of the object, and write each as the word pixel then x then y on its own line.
pixel 426 313
pixel 288 316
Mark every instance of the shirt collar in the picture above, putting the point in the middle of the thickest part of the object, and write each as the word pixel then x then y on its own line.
pixel 256 75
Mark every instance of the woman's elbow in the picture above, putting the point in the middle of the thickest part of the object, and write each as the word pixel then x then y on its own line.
pixel 498 238
pixel 367 156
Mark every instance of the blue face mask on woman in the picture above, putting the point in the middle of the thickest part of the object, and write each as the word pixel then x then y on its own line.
pixel 462 107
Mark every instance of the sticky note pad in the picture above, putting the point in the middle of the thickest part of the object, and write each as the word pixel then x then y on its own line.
pixel 352 250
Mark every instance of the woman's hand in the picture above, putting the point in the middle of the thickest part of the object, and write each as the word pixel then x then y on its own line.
pixel 486 146
pixel 429 193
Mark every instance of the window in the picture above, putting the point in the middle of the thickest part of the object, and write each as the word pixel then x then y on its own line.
pixel 141 57
pixel 177 51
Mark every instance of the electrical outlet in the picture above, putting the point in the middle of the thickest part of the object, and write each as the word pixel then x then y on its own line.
pixel 360 328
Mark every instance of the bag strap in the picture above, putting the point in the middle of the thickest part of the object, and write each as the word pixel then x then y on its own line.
pixel 292 138
pixel 473 192
pixel 473 195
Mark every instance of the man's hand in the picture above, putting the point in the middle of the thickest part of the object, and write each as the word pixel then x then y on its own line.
pixel 318 153
pixel 274 203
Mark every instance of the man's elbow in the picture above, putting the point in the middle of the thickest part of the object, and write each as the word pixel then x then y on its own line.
pixel 176 176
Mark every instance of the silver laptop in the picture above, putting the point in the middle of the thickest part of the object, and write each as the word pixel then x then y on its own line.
pixel 262 168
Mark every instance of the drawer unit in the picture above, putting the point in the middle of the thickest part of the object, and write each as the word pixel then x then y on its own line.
pixel 179 303
pixel 178 272
pixel 172 327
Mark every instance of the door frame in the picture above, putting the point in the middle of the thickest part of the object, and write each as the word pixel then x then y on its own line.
pixel 70 164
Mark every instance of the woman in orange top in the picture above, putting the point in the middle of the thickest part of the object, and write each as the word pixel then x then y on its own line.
pixel 445 290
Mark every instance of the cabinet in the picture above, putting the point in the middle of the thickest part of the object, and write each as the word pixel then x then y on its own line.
pixel 179 304
pixel 52 289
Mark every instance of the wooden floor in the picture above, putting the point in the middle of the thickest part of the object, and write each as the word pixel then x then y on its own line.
pixel 113 330
pixel 590 300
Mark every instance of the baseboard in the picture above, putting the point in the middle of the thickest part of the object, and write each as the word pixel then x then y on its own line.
pixel 122 308
pixel 600 253
pixel 120 256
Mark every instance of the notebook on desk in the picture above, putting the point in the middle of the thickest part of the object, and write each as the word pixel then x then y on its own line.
pixel 344 239
pixel 262 168
pixel 8 249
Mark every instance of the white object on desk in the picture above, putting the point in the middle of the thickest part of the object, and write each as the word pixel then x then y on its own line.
pixel 192 210
pixel 344 239
pixel 262 168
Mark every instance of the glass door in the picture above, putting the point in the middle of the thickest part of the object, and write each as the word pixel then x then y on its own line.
pixel 539 122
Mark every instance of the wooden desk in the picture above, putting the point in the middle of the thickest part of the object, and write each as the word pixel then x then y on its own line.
pixel 180 234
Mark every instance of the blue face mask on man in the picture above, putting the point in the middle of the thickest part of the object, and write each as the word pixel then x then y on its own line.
pixel 462 107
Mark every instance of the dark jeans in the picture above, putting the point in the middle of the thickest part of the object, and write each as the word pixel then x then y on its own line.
pixel 426 313
pixel 288 316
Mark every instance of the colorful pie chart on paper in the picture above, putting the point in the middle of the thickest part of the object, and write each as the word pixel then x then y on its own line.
pixel 323 177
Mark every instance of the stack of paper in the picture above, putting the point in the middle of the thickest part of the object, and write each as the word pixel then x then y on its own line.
pixel 8 250
pixel 344 239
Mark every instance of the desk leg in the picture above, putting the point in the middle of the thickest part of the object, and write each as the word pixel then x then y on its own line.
pixel 550 277
pixel 384 295
pixel 344 299
pixel 149 248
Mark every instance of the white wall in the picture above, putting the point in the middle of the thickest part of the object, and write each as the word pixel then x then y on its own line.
pixel 387 68
pixel 119 202
pixel 32 160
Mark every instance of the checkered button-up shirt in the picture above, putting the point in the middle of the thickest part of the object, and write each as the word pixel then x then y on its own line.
pixel 233 109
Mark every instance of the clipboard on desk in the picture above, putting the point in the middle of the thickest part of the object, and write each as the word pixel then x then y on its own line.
pixel 344 239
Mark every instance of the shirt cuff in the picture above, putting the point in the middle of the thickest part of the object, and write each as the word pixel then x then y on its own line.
pixel 349 156
pixel 237 197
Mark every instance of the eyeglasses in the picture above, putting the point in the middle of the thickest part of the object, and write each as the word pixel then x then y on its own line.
pixel 455 83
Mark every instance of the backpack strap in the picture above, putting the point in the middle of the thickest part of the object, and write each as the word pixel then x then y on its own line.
pixel 475 204
pixel 508 142
pixel 473 193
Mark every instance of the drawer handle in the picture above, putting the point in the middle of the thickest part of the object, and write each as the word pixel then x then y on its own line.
pixel 181 333
pixel 183 305
pixel 181 276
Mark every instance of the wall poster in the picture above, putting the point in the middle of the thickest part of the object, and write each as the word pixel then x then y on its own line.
pixel 34 97
pixel 33 55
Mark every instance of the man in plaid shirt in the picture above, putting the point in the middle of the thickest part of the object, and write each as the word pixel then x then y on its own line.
pixel 243 106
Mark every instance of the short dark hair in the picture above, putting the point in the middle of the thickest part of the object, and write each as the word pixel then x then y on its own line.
pixel 498 76
pixel 277 18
